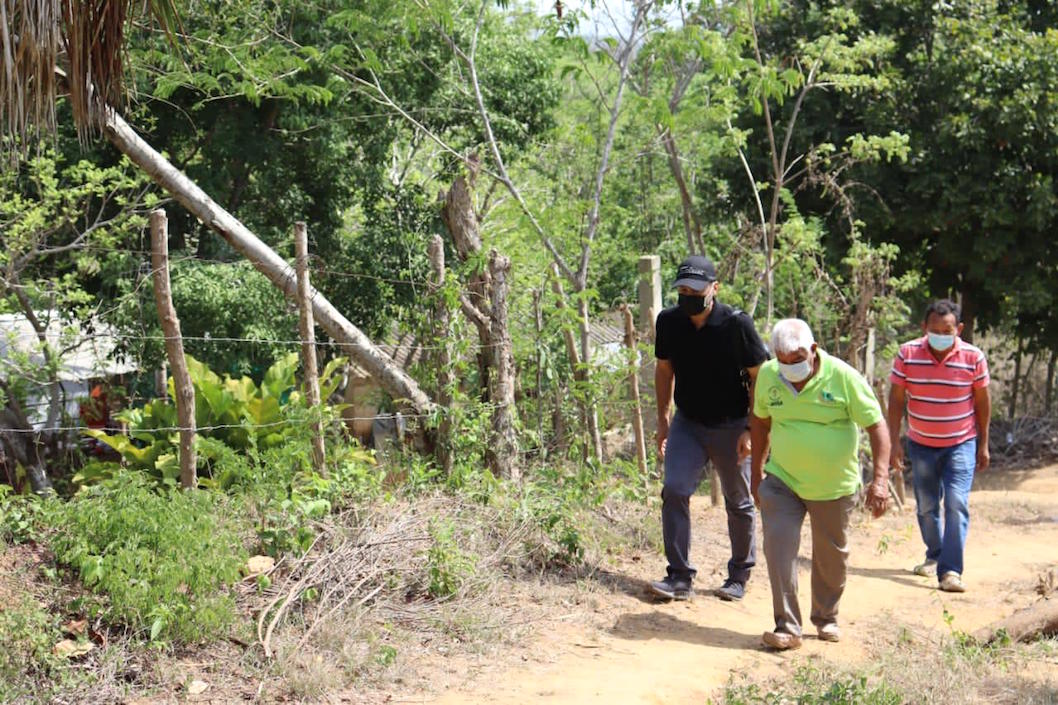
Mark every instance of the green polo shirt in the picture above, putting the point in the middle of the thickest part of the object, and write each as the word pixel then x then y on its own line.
pixel 814 441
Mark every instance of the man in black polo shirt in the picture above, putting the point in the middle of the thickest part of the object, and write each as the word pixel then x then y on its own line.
pixel 712 353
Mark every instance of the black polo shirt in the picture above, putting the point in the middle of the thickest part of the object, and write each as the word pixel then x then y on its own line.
pixel 709 362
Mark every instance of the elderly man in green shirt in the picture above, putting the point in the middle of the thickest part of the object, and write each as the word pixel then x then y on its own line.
pixel 806 407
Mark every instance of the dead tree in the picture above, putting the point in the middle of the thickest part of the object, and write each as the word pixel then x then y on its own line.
pixel 461 220
pixel 484 303
pixel 502 453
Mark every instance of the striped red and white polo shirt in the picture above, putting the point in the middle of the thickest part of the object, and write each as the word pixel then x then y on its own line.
pixel 940 404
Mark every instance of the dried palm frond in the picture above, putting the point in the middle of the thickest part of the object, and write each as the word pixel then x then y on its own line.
pixel 87 38
pixel 93 35
pixel 29 44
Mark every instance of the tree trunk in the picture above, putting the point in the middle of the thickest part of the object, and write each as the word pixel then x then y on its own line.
pixel 691 226
pixel 1015 384
pixel 538 320
pixel 27 443
pixel 160 379
pixel 445 374
pixel 571 351
pixel 968 304
pixel 21 444
pixel 174 348
pixel 1049 391
pixel 308 344
pixel 503 450
pixel 379 365
pixel 461 220
pixel 591 409
pixel 576 364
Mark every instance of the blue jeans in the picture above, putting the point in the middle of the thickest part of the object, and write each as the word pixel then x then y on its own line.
pixel 943 474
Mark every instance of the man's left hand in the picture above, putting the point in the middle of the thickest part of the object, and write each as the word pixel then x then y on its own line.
pixel 878 498
pixel 983 458
pixel 744 446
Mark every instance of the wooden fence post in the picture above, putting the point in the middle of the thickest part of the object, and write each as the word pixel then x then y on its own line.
pixel 649 290
pixel 445 374
pixel 649 308
pixel 307 327
pixel 637 407
pixel 174 347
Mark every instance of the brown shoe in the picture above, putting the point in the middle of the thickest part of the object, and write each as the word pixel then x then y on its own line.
pixel 781 641
pixel 829 632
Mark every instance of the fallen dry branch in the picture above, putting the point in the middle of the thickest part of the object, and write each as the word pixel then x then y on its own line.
pixel 341 563
pixel 1035 622
pixel 378 560
pixel 1025 441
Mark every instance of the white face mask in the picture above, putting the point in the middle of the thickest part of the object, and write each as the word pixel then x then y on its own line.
pixel 796 372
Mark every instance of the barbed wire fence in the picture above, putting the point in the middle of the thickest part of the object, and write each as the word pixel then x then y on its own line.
pixel 617 406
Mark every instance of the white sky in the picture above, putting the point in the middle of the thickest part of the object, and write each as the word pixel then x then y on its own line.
pixel 607 16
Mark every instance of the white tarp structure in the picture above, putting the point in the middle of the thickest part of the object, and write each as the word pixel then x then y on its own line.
pixel 84 356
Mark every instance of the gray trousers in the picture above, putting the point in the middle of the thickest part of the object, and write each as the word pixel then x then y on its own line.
pixel 690 446
pixel 782 513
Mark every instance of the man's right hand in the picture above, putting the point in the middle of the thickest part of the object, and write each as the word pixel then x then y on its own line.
pixel 662 435
pixel 896 457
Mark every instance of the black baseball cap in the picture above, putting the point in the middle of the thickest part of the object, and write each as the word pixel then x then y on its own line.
pixel 696 272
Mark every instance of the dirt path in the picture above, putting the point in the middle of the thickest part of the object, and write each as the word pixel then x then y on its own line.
pixel 646 652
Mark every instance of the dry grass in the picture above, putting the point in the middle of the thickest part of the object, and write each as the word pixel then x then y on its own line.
pixel 374 622
pixel 409 596
pixel 915 670
pixel 956 672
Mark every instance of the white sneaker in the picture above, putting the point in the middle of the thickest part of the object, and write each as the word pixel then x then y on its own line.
pixel 926 569
pixel 829 632
pixel 952 582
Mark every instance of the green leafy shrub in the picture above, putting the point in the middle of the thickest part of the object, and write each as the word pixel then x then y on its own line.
pixel 448 566
pixel 163 558
pixel 234 413
pixel 289 497
pixel 19 515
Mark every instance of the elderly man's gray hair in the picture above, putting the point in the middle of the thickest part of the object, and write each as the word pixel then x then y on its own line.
pixel 790 335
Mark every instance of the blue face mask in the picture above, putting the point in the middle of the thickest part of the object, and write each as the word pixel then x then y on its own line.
pixel 940 342
pixel 796 372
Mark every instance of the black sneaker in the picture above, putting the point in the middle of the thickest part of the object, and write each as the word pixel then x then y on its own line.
pixel 672 588
pixel 731 591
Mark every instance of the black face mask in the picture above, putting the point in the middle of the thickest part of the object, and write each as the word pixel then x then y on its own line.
pixel 693 305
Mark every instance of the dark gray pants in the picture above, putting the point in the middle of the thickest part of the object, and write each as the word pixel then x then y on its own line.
pixel 690 446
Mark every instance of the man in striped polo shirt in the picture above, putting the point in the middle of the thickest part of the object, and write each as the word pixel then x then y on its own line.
pixel 942 382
